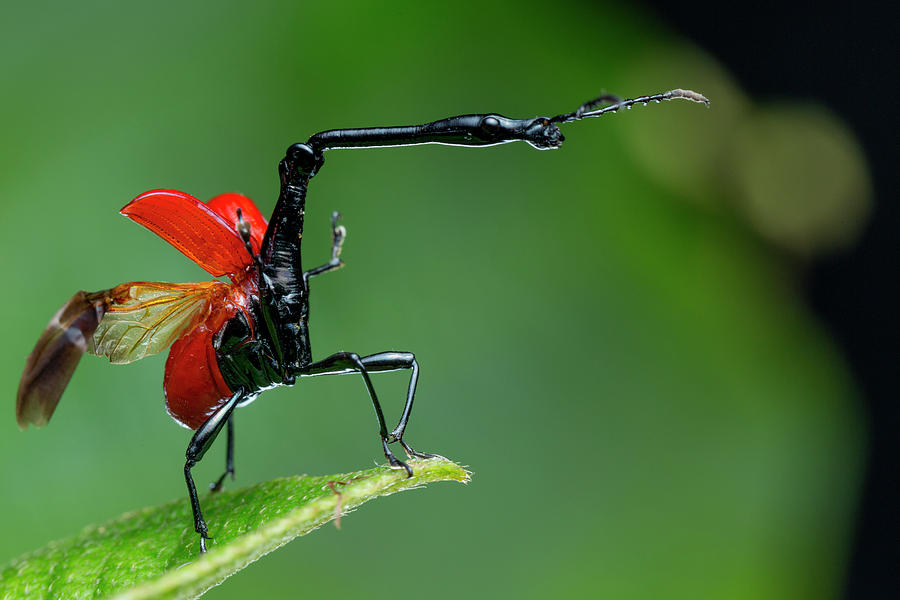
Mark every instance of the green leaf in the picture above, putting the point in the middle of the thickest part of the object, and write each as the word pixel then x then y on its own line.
pixel 155 553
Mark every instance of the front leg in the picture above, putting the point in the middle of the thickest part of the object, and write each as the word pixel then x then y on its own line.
pixel 338 233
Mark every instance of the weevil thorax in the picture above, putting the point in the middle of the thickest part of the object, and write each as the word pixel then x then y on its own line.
pixel 284 297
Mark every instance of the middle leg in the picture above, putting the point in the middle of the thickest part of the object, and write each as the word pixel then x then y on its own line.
pixel 216 486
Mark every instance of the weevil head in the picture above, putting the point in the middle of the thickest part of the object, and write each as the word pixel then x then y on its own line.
pixel 300 162
pixel 543 134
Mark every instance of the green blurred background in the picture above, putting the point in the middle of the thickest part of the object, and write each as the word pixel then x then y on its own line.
pixel 611 336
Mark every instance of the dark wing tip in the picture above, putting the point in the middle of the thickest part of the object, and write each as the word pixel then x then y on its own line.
pixel 31 409
pixel 51 364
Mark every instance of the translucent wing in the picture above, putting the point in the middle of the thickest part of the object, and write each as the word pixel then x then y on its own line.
pixel 126 323
pixel 198 231
pixel 144 318
pixel 138 319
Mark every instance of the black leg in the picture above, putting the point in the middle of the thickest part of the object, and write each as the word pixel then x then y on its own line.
pixel 345 362
pixel 338 233
pixel 200 443
pixel 393 361
pixel 229 457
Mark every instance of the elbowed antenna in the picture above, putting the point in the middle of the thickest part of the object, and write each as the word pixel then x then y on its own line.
pixel 478 130
pixel 589 109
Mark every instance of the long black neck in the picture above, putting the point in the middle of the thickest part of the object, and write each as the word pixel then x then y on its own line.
pixel 283 289
pixel 284 296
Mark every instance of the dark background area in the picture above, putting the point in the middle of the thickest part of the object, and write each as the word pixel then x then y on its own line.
pixel 846 58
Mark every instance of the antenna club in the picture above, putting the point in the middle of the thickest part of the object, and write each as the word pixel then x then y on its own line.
pixel 688 95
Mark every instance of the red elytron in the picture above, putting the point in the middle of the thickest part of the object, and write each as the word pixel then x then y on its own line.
pixel 141 318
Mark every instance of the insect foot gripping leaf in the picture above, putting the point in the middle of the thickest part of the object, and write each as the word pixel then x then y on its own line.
pixel 151 554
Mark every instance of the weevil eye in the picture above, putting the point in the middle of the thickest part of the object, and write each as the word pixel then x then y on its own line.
pixel 490 125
